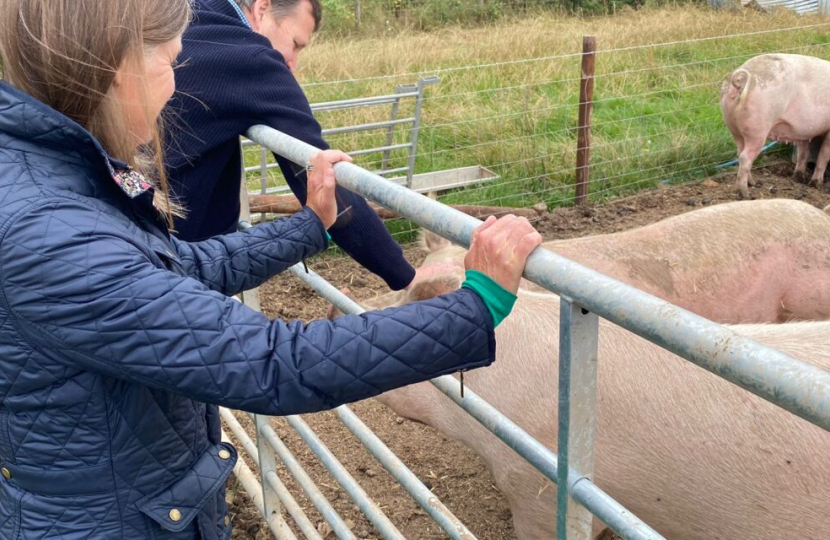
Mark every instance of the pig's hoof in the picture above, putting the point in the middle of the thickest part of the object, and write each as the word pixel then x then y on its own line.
pixel 801 177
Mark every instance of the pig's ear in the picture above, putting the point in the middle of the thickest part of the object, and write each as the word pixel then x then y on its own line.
pixel 430 288
pixel 433 242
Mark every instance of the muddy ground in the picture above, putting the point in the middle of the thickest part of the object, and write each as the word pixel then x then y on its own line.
pixel 454 473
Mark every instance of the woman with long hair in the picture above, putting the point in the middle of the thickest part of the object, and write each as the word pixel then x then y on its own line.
pixel 118 342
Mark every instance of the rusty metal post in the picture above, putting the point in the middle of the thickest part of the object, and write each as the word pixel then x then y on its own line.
pixel 586 99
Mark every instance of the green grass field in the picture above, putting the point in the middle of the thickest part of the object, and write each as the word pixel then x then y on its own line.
pixel 508 96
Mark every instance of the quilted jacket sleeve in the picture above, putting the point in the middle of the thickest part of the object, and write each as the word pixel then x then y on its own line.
pixel 87 297
pixel 236 262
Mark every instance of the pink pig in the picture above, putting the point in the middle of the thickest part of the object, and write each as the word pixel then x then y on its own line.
pixel 782 97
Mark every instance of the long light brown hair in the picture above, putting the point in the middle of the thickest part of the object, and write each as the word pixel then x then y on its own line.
pixel 65 53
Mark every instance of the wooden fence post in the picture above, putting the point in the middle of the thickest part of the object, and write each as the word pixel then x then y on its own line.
pixel 357 14
pixel 586 99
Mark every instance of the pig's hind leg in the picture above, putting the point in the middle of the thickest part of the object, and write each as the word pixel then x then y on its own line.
pixel 802 153
pixel 821 163
pixel 752 148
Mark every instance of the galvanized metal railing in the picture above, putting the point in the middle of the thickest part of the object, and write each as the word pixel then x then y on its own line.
pixel 793 385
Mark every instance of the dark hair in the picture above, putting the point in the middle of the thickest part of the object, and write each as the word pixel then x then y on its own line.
pixel 286 7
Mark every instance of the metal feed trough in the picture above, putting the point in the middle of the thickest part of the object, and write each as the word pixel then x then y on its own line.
pixel 422 183
pixel 793 385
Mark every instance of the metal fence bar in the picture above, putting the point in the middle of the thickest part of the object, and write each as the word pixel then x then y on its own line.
pixel 578 335
pixel 400 472
pixel 266 165
pixel 368 127
pixel 390 133
pixel 380 149
pixel 263 175
pixel 601 505
pixel 291 505
pixel 269 166
pixel 271 505
pixel 360 102
pixel 277 525
pixel 401 92
pixel 251 485
pixel 393 171
pixel 371 510
pixel 339 527
pixel 796 386
pixel 588 494
pixel 419 106
pixel 250 297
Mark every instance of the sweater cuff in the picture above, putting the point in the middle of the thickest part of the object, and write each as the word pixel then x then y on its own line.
pixel 499 301
pixel 402 279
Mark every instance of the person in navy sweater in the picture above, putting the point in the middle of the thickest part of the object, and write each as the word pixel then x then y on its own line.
pixel 235 71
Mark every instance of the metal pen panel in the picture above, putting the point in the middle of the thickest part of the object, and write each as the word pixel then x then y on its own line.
pixel 277 525
pixel 339 527
pixel 795 386
pixel 407 479
pixel 420 493
pixel 371 510
pixel 288 501
pixel 601 505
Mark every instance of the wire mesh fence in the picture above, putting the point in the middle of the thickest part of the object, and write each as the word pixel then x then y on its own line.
pixel 656 114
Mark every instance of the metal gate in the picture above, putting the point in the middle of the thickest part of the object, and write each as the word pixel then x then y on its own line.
pixel 585 295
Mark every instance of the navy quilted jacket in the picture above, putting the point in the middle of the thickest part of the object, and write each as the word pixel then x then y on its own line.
pixel 114 337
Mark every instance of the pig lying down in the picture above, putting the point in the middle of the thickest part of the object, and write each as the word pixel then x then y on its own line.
pixel 743 262
pixel 692 455
pixel 782 97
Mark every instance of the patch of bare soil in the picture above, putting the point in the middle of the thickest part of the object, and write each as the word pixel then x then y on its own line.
pixel 455 474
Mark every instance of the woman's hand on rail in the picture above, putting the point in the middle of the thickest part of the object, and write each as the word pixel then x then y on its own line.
pixel 321 184
pixel 500 248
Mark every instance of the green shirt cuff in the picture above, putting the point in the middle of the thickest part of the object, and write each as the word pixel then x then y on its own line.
pixel 499 301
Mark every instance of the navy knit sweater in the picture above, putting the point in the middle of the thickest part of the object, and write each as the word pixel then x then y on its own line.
pixel 230 78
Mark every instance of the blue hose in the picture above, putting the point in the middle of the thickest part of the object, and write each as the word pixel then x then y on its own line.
pixel 730 162
pixel 735 161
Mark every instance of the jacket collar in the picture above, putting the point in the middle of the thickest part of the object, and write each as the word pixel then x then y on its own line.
pixel 239 13
pixel 228 8
pixel 24 118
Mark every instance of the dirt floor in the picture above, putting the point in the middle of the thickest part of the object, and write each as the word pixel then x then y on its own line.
pixel 454 473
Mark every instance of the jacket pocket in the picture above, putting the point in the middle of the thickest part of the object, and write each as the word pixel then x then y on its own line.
pixel 174 507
